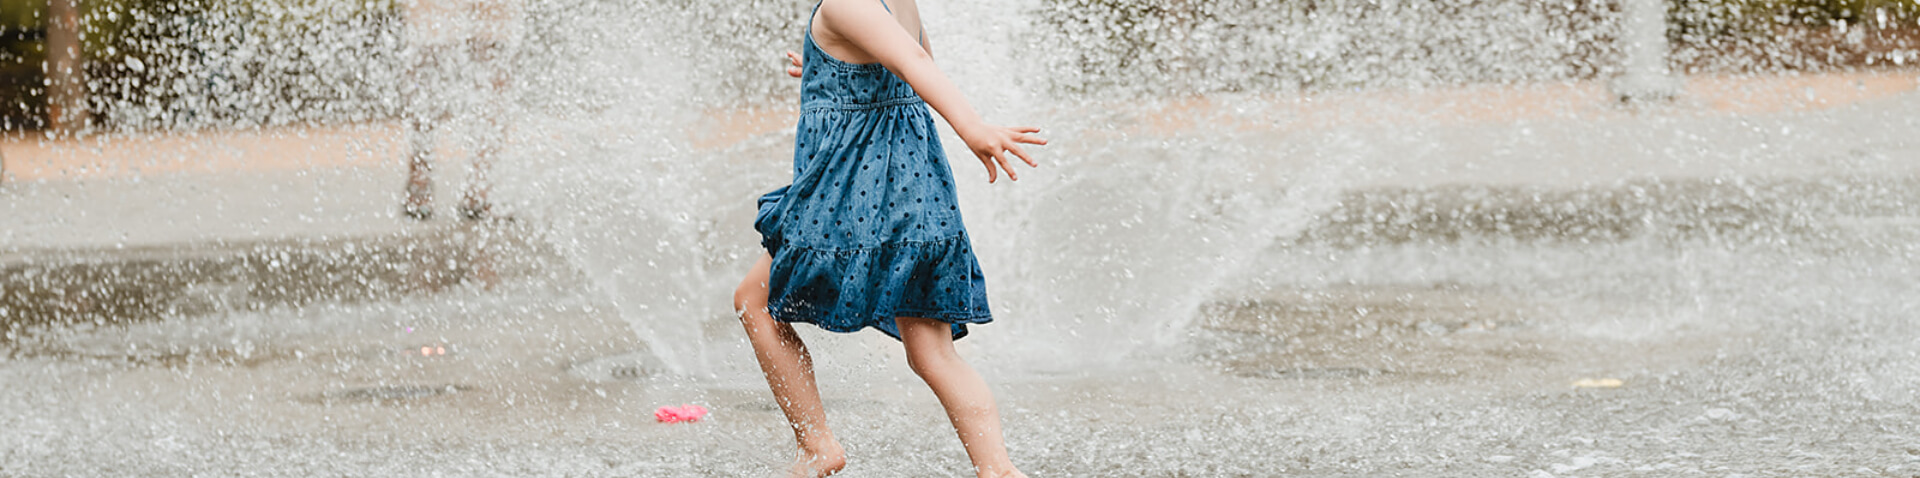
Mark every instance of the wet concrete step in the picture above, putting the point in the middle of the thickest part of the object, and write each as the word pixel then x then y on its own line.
pixel 93 286
pixel 85 287
pixel 1731 208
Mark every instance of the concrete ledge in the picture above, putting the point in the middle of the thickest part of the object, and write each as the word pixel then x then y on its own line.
pixel 1734 209
pixel 97 286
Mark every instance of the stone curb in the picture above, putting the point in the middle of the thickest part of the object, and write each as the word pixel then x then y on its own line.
pixel 100 287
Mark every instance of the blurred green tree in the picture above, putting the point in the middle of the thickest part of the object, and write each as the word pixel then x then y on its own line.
pixel 22 51
pixel 195 63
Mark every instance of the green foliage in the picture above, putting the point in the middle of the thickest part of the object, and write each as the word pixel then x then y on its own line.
pixel 1200 46
pixel 1702 20
pixel 22 52
pixel 22 13
pixel 1828 12
pixel 1160 47
pixel 162 63
pixel 1760 35
pixel 115 27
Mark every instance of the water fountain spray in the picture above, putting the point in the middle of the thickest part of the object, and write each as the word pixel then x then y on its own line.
pixel 1647 78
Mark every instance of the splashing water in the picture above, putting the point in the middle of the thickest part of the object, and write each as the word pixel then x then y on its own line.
pixel 1323 238
pixel 1142 208
pixel 659 227
pixel 1161 182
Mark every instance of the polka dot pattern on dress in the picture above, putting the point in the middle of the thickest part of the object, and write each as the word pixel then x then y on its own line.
pixel 870 229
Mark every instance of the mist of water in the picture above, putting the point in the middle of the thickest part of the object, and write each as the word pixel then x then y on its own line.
pixel 1150 196
pixel 1104 252
pixel 1303 237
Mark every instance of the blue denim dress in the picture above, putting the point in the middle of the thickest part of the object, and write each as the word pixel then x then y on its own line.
pixel 870 229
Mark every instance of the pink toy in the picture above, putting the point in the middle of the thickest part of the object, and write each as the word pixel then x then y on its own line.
pixel 683 413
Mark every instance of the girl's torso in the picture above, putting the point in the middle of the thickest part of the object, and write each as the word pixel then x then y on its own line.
pixel 868 165
pixel 845 77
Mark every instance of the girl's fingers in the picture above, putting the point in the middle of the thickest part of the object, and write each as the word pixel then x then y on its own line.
pixel 1001 153
pixel 794 71
pixel 1022 153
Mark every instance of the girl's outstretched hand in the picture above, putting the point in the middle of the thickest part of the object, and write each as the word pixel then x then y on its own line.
pixel 793 71
pixel 995 146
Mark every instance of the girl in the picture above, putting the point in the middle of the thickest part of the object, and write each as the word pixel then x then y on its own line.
pixel 869 233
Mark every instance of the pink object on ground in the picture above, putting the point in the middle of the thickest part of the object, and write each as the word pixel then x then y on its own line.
pixel 683 413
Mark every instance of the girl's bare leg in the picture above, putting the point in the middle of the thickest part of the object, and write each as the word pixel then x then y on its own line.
pixel 783 358
pixel 962 392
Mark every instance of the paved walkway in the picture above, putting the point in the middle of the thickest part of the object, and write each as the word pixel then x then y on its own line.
pixel 133 190
pixel 1572 134
pixel 138 190
pixel 221 206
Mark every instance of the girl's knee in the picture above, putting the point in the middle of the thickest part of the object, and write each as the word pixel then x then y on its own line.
pixel 750 295
pixel 927 353
pixel 932 360
pixel 923 362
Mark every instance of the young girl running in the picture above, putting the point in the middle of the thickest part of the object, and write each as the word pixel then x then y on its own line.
pixel 869 233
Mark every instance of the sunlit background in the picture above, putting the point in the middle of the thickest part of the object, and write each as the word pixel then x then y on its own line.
pixel 1286 237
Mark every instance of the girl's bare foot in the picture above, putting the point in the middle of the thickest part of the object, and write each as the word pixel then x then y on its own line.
pixel 819 461
pixel 1002 474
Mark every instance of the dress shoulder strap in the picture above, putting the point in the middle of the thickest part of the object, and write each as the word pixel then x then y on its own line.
pixel 883 4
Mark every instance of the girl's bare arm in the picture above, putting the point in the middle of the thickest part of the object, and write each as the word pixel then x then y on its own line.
pixel 868 26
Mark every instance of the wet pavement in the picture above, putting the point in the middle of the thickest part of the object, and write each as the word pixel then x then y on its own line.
pixel 1791 355
pixel 1737 314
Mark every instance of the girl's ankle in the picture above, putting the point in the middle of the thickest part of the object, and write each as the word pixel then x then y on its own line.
pixel 819 460
pixel 826 448
pixel 1006 472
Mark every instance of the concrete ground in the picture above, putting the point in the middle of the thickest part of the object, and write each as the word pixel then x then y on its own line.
pixel 1375 345
pixel 330 181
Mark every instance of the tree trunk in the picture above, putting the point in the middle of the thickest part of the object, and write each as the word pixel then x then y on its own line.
pixel 66 68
